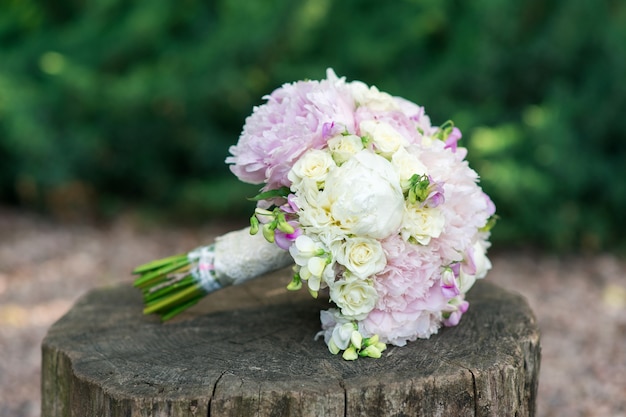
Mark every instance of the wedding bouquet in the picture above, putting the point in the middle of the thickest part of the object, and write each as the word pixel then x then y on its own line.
pixel 371 202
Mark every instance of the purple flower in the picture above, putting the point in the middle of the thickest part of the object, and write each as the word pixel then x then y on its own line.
pixel 454 317
pixel 449 285
pixel 453 138
pixel 291 206
pixel 435 196
pixel 284 240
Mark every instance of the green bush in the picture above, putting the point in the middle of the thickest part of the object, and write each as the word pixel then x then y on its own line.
pixel 107 103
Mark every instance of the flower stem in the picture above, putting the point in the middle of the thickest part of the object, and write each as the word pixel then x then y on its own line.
pixel 154 293
pixel 173 301
pixel 157 263
pixel 177 310
pixel 156 275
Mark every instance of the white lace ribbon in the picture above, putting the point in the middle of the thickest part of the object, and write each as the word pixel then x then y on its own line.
pixel 235 258
pixel 203 271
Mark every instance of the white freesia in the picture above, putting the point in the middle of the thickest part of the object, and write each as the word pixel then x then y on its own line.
pixel 314 165
pixel 482 263
pixel 365 196
pixel 355 297
pixel 313 260
pixel 407 164
pixel 372 97
pixel 363 257
pixel 312 272
pixel 385 138
pixel 342 334
pixel 343 147
pixel 422 223
pixel 304 248
pixel 329 319
pixel 466 281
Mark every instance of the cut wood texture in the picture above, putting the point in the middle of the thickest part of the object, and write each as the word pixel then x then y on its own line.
pixel 249 351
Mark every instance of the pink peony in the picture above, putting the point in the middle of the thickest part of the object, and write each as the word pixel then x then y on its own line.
pixel 296 117
pixel 420 319
pixel 465 208
pixel 410 272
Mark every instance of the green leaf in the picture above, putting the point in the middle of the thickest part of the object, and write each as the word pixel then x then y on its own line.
pixel 280 192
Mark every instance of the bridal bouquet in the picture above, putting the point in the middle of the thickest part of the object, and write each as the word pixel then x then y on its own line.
pixel 371 202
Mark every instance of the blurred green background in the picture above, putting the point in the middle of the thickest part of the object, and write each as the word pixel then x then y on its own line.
pixel 111 105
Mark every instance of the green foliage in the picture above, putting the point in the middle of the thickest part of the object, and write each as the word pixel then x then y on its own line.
pixel 108 102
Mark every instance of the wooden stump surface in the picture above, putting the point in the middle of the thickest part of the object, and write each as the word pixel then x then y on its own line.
pixel 249 351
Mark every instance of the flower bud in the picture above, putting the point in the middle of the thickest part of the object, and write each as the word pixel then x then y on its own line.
pixel 254 225
pixel 285 227
pixel 356 339
pixel 268 233
pixel 371 340
pixel 350 354
pixel 295 284
pixel 371 351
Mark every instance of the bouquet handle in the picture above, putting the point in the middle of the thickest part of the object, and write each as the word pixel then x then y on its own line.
pixel 173 284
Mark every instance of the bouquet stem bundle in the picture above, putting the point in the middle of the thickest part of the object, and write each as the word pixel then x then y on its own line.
pixel 168 286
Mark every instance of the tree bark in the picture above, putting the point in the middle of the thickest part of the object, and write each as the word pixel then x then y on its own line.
pixel 249 351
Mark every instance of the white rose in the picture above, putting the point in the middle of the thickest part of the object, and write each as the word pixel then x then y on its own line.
pixel 365 196
pixel 355 297
pixel 363 257
pixel 422 224
pixel 385 138
pixel 314 165
pixel 407 164
pixel 343 147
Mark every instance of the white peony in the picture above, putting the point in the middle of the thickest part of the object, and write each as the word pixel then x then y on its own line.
pixel 385 138
pixel 363 257
pixel 343 147
pixel 422 223
pixel 355 297
pixel 365 196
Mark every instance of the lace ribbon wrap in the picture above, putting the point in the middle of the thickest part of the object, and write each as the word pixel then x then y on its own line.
pixel 235 258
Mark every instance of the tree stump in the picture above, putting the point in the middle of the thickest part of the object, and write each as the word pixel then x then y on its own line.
pixel 249 351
